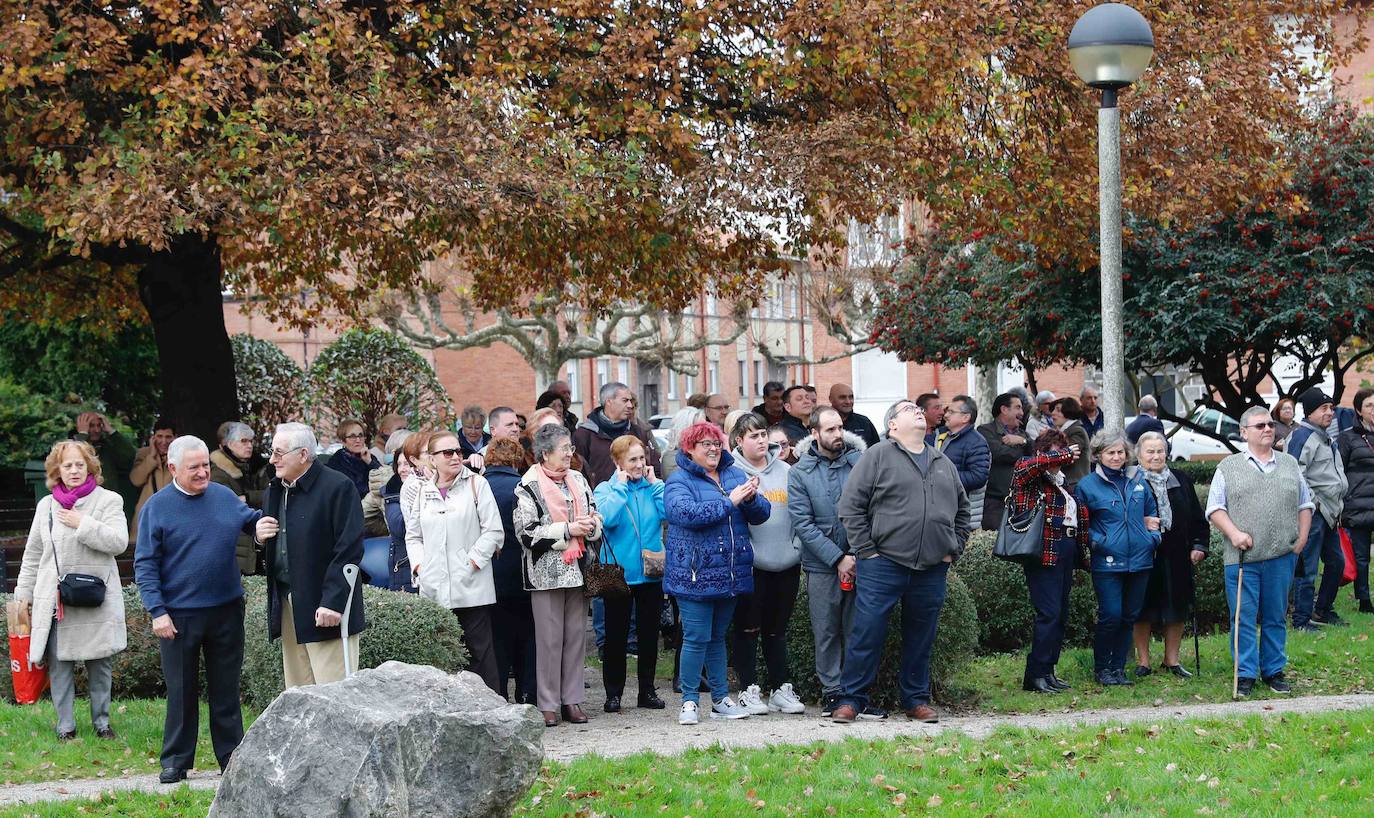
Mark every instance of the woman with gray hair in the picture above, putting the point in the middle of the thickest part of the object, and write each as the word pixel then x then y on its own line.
pixel 1183 544
pixel 235 465
pixel 1123 529
pixel 558 528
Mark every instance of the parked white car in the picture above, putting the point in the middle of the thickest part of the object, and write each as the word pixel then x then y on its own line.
pixel 1188 444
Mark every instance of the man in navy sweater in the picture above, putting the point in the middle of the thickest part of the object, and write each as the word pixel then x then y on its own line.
pixel 187 574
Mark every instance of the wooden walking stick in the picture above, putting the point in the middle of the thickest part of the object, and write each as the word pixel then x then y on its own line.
pixel 1235 631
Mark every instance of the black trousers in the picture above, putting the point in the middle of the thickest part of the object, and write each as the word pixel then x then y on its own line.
pixel 646 600
pixel 1049 594
pixel 765 613
pixel 217 633
pixel 512 632
pixel 476 624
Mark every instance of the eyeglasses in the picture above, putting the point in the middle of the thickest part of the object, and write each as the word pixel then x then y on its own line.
pixel 1266 424
pixel 447 452
pixel 355 436
pixel 719 408
pixel 277 454
pixel 710 444
pixel 910 407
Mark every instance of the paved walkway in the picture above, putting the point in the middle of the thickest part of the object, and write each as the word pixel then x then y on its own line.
pixel 634 731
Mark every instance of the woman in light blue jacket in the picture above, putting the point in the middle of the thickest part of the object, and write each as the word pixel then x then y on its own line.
pixel 631 505
pixel 1124 533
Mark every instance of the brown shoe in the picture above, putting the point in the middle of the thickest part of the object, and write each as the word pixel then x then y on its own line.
pixel 550 718
pixel 572 713
pixel 923 712
pixel 844 714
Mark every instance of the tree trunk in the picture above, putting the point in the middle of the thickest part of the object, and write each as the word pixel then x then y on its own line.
pixel 985 390
pixel 180 287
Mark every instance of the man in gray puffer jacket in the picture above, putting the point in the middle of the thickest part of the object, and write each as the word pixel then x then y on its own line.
pixel 777 576
pixel 814 486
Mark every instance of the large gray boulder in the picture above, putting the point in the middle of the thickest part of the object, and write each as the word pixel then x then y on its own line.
pixel 400 740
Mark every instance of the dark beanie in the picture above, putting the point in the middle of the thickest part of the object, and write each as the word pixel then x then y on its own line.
pixel 1314 399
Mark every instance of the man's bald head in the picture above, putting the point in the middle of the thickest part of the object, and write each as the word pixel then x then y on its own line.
pixel 842 398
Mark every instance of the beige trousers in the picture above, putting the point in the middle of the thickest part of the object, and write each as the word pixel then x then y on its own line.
pixel 313 662
pixel 560 638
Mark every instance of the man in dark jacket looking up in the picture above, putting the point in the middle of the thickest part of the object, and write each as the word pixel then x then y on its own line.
pixel 313 528
pixel 593 437
pixel 1007 443
pixel 967 450
pixel 907 518
pixel 814 486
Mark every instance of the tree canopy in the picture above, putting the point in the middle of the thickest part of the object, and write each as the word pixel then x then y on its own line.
pixel 368 374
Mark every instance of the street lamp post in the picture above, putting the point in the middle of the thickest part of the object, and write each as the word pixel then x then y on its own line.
pixel 1109 48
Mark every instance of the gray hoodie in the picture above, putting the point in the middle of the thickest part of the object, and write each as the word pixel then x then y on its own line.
pixel 775 549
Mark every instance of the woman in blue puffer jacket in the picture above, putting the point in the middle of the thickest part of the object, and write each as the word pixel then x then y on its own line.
pixel 1124 533
pixel 710 504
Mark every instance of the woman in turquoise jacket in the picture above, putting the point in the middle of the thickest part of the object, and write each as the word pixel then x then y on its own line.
pixel 1124 532
pixel 631 503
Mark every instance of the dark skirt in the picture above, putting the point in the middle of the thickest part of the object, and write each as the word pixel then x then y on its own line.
pixel 1169 596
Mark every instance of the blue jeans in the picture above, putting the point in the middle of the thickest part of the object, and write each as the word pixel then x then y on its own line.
pixel 879 585
pixel 1324 543
pixel 1359 538
pixel 1264 598
pixel 703 645
pixel 1120 596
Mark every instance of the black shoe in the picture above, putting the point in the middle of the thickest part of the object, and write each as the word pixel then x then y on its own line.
pixel 171 775
pixel 828 706
pixel 1329 618
pixel 1122 680
pixel 1278 684
pixel 1366 606
pixel 871 713
pixel 1179 670
pixel 1245 687
pixel 612 704
pixel 106 733
pixel 1058 683
pixel 66 735
pixel 1307 627
pixel 1141 671
pixel 1106 678
pixel 650 701
pixel 1039 685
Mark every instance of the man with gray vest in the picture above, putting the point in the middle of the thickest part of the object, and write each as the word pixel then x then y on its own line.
pixel 814 486
pixel 1324 472
pixel 1260 502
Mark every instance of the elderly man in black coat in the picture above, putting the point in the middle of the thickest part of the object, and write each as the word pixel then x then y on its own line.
pixel 313 527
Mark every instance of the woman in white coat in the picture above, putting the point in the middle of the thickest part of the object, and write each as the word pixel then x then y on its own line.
pixel 453 530
pixel 80 528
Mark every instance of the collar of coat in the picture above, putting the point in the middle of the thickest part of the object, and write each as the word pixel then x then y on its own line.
pixel 809 455
pixel 226 463
pixel 305 481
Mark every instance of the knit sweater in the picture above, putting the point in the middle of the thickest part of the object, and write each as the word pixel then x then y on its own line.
pixel 185 553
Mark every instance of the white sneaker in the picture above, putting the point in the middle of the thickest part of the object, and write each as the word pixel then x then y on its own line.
pixel 688 714
pixel 751 699
pixel 727 709
pixel 784 700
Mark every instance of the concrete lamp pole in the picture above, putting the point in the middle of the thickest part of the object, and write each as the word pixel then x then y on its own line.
pixel 1109 48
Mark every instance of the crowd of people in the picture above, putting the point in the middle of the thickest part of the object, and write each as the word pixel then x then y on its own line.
pixel 510 522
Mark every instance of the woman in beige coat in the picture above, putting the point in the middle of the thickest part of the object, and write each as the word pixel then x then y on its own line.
pixel 84 525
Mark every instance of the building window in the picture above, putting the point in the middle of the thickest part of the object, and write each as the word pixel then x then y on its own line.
pixel 714 375
pixel 574 384
pixel 743 378
pixel 603 372
pixel 758 377
pixel 671 378
pixel 624 371
pixel 689 385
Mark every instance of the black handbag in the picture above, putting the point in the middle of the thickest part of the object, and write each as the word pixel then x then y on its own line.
pixel 75 590
pixel 604 579
pixel 1021 538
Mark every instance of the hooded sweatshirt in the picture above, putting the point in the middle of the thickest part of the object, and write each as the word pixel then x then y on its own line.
pixel 775 549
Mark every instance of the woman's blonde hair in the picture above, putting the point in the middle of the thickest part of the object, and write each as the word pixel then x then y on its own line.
pixel 53 464
pixel 621 446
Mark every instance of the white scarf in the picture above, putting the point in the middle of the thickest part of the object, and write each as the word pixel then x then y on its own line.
pixel 1070 504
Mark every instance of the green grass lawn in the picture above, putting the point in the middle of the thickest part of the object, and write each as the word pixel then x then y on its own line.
pixel 1317 765
pixel 29 751
pixel 1334 660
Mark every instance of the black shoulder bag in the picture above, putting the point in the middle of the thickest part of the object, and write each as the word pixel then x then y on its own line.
pixel 75 590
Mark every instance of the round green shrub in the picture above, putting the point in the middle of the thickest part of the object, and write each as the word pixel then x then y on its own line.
pixel 404 627
pixel 956 642
pixel 6 680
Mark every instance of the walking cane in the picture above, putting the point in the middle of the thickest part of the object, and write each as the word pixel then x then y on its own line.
pixel 1235 631
pixel 350 573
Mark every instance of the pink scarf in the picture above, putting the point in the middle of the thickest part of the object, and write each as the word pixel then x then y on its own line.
pixel 559 507
pixel 67 498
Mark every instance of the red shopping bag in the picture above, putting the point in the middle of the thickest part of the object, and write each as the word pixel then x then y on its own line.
pixel 30 680
pixel 1347 551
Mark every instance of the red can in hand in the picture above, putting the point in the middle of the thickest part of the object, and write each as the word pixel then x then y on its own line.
pixel 846 584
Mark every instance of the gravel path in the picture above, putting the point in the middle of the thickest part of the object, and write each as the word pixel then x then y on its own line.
pixel 634 731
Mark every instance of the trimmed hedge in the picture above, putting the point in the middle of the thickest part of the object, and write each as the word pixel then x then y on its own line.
pixel 405 627
pixel 956 643
pixel 1200 470
pixel 1006 617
